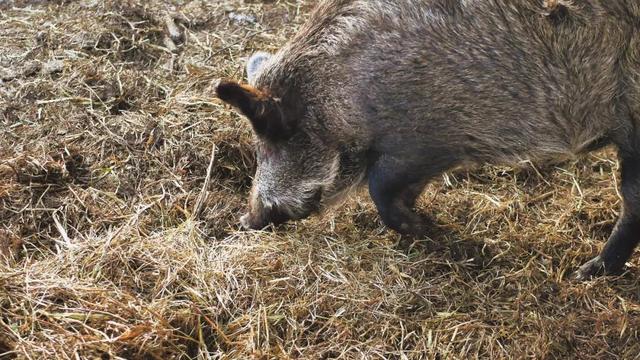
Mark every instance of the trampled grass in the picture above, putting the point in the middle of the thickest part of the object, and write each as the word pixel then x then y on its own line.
pixel 122 178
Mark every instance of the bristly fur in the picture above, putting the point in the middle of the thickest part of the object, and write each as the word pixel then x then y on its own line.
pixel 408 89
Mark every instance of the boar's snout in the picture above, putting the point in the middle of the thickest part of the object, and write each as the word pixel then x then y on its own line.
pixel 259 215
pixel 248 222
pixel 258 220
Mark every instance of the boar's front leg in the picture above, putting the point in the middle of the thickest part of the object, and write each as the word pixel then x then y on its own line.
pixel 626 234
pixel 394 186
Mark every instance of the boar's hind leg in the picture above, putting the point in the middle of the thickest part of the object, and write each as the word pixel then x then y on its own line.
pixel 394 187
pixel 626 233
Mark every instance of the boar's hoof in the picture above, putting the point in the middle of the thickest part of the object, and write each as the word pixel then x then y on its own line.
pixel 596 267
pixel 410 233
pixel 591 268
pixel 412 228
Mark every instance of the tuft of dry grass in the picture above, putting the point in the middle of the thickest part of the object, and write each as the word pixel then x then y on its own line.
pixel 121 180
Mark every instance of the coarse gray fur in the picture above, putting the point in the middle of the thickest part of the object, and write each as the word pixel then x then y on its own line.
pixel 395 92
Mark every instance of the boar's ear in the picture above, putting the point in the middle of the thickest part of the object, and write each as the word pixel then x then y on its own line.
pixel 263 111
pixel 255 63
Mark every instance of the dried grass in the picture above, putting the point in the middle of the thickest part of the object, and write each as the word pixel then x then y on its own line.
pixel 121 180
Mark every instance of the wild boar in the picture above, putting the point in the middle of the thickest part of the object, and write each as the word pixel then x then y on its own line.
pixel 392 93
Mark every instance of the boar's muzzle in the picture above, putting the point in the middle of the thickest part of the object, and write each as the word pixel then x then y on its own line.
pixel 260 216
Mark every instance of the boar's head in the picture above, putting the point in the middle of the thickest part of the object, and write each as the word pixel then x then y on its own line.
pixel 298 168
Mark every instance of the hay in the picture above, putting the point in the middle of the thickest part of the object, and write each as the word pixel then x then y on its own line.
pixel 121 181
